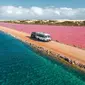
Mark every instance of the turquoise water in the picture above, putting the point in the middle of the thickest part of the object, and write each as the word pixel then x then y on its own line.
pixel 19 65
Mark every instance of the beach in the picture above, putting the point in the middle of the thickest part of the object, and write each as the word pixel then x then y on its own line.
pixel 73 54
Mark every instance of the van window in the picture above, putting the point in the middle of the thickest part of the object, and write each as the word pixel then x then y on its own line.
pixel 45 36
pixel 40 35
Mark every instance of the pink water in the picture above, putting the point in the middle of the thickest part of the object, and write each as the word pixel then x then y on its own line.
pixel 72 35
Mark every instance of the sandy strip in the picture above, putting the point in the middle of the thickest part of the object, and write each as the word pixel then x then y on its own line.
pixel 73 53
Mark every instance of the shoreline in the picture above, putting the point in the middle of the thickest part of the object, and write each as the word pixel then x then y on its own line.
pixel 58 57
pixel 46 51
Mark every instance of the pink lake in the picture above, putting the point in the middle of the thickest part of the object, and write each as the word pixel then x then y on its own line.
pixel 72 35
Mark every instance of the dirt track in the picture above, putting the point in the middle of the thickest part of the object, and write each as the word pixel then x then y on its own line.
pixel 69 51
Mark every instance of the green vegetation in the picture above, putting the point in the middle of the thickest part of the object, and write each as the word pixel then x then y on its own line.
pixel 49 22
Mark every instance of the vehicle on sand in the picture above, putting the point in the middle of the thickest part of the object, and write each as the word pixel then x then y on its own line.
pixel 41 36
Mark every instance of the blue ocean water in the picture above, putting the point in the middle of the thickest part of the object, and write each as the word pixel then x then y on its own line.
pixel 20 65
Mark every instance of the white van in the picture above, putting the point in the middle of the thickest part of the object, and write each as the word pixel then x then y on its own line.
pixel 41 36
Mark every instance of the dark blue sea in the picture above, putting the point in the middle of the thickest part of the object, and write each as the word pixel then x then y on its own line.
pixel 20 65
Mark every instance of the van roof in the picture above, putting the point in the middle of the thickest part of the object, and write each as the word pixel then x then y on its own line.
pixel 42 33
